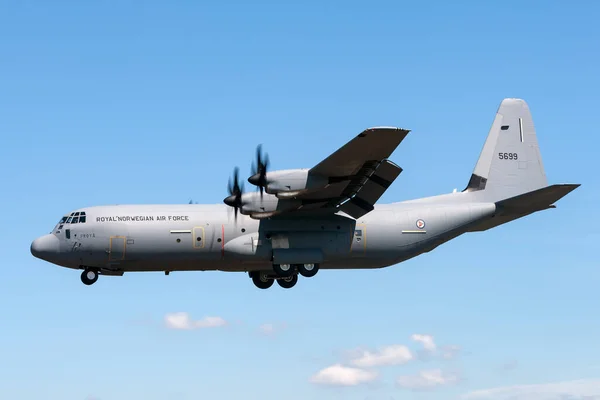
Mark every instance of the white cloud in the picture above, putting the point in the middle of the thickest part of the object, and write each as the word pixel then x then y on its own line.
pixel 388 355
pixel 339 375
pixel 426 380
pixel 182 320
pixel 426 340
pixel 584 389
pixel 358 364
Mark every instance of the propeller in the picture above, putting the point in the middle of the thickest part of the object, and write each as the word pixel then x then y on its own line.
pixel 259 170
pixel 235 192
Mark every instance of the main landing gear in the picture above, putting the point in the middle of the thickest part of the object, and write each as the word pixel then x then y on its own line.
pixel 286 275
pixel 89 276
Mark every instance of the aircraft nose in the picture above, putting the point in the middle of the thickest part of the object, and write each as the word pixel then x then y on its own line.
pixel 45 247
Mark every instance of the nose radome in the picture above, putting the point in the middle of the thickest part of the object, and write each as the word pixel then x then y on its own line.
pixel 45 247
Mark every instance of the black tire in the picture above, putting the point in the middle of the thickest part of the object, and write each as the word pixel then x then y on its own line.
pixel 289 282
pixel 89 277
pixel 308 270
pixel 261 280
pixel 280 270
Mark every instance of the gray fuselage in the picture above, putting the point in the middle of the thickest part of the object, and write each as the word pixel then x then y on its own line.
pixel 121 238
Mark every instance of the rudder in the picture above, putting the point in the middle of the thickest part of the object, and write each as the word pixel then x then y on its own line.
pixel 510 162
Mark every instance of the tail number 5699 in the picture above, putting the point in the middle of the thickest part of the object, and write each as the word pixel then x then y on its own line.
pixel 508 156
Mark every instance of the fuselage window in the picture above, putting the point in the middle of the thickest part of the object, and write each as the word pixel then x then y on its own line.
pixel 68 233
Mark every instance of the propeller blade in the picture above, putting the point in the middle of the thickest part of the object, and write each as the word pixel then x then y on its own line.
pixel 235 191
pixel 259 170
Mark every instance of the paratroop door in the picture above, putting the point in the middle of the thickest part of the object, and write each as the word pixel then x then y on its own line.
pixel 116 248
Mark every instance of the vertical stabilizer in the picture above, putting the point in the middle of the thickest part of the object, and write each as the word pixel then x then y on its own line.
pixel 510 162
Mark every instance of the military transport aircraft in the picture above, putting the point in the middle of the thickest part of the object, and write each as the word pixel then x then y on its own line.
pixel 300 221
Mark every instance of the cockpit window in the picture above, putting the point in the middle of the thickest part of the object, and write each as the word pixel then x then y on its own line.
pixel 74 218
pixel 78 217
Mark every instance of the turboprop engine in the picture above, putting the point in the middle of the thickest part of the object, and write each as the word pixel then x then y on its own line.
pixel 278 190
pixel 285 184
pixel 255 203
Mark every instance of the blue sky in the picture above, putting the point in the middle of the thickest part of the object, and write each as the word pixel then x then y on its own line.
pixel 156 102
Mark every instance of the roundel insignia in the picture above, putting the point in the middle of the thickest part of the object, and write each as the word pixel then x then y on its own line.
pixel 420 224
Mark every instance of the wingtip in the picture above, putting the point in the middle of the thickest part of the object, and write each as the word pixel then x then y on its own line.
pixel 572 185
pixel 387 128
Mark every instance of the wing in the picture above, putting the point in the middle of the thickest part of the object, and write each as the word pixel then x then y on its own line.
pixel 356 176
pixel 371 145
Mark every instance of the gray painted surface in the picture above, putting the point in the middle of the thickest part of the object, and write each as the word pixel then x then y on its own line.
pixel 302 220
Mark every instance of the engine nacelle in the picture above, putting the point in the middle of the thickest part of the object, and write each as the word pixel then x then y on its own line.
pixel 252 203
pixel 288 183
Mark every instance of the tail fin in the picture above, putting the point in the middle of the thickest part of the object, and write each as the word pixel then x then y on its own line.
pixel 510 163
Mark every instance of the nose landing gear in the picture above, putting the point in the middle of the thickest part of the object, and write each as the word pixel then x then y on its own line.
pixel 89 276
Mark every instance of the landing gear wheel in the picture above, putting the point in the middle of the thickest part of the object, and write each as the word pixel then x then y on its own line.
pixel 308 270
pixel 284 270
pixel 289 282
pixel 261 280
pixel 89 276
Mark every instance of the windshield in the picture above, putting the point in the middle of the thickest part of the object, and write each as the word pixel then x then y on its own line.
pixel 74 218
pixel 78 217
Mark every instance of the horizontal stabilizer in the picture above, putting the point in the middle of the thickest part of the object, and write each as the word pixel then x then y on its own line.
pixel 525 204
pixel 364 201
pixel 536 200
